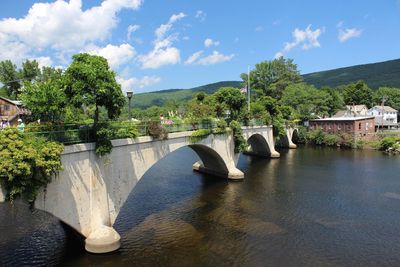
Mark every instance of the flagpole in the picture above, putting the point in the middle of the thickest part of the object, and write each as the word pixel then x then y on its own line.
pixel 248 88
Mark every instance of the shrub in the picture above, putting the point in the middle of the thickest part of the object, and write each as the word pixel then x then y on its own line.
pixel 221 127
pixel 331 140
pixel 240 142
pixel 27 163
pixel 199 135
pixel 157 131
pixel 103 135
pixel 388 142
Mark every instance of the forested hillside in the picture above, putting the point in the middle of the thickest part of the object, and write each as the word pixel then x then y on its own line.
pixel 375 75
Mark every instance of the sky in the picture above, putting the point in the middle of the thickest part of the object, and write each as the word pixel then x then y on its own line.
pixel 167 44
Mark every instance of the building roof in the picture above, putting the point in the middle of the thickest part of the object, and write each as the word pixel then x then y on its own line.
pixel 345 118
pixel 356 108
pixel 385 108
pixel 14 102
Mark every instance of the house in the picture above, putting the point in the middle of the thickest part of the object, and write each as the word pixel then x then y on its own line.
pixel 385 116
pixel 356 126
pixel 352 111
pixel 11 110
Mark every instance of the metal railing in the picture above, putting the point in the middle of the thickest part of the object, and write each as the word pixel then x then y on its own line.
pixel 84 133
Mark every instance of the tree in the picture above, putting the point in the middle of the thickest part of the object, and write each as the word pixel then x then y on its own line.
pixel 357 94
pixel 89 81
pixel 272 77
pixel 30 70
pixel 233 99
pixel 9 77
pixel 306 100
pixel 335 101
pixel 392 96
pixel 46 100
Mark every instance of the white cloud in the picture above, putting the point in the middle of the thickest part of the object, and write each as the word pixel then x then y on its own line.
pixel 132 83
pixel 186 38
pixel 44 61
pixel 160 57
pixel 210 42
pixel 115 55
pixel 61 26
pixel 194 57
pixel 131 29
pixel 340 24
pixel 201 15
pixel 214 58
pixel 306 39
pixel 347 34
pixel 259 29
pixel 163 53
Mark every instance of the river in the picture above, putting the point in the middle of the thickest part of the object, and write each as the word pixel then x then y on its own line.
pixel 311 207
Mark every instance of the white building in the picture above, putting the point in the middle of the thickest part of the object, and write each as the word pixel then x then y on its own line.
pixel 384 115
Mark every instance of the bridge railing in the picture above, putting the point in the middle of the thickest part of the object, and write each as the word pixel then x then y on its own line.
pixel 84 133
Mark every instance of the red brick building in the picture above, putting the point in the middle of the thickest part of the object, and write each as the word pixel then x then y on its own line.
pixel 357 126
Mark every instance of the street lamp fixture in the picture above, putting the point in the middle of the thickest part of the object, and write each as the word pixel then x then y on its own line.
pixel 129 94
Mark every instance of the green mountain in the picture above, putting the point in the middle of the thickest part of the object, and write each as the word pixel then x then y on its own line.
pixel 375 75
pixel 159 98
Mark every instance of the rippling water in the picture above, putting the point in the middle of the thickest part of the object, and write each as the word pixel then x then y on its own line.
pixel 311 207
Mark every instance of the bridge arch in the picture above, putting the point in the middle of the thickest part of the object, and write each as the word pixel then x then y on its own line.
pixel 259 146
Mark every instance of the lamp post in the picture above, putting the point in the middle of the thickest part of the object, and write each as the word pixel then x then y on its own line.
pixel 129 94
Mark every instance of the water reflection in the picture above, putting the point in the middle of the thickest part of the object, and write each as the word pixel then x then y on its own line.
pixel 311 207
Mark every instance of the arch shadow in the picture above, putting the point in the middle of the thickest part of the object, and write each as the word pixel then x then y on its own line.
pixel 259 146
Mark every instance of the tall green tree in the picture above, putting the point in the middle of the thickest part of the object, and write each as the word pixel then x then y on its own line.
pixel 357 93
pixel 46 100
pixel 391 95
pixel 90 81
pixel 335 101
pixel 30 70
pixel 306 100
pixel 233 100
pixel 270 78
pixel 10 78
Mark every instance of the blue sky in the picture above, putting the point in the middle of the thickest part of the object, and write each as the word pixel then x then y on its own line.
pixel 163 44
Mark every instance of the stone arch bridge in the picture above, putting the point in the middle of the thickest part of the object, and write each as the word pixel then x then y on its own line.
pixel 89 192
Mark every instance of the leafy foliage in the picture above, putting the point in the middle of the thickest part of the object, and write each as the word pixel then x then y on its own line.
pixel 89 81
pixel 27 163
pixel 240 142
pixel 233 100
pixel 357 94
pixel 46 100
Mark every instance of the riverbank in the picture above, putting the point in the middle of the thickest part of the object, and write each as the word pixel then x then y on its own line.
pixel 389 142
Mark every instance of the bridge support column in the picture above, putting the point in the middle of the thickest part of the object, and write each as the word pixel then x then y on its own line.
pixel 233 172
pixel 103 239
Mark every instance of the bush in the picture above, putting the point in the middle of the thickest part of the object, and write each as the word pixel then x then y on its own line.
pixel 157 131
pixel 199 135
pixel 103 135
pixel 221 127
pixel 240 142
pixel 331 140
pixel 388 142
pixel 27 163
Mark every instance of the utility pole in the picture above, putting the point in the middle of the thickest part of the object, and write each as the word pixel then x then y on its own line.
pixel 383 100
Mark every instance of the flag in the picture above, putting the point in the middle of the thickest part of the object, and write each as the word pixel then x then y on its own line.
pixel 243 90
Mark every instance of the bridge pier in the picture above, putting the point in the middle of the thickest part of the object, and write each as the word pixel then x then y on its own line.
pixel 233 173
pixel 103 239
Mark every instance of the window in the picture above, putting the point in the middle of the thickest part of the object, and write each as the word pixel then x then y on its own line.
pixel 6 107
pixel 359 126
